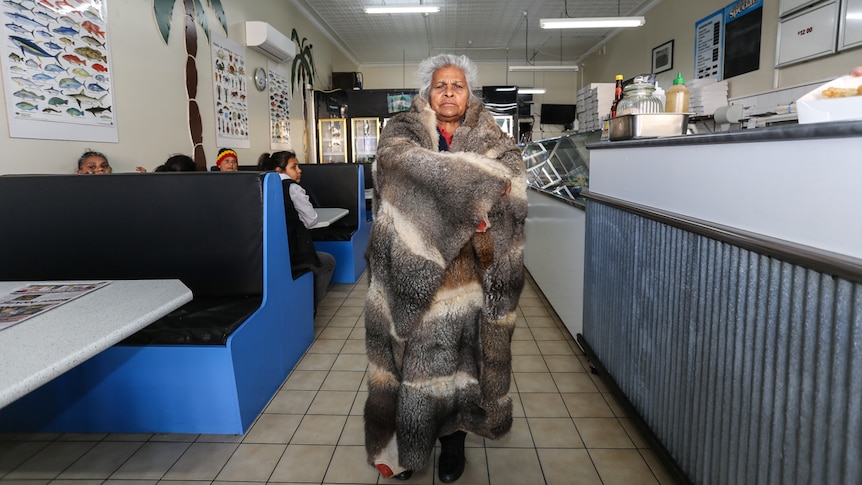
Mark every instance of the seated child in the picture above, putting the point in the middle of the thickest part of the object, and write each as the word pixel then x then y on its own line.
pixel 300 216
pixel 227 160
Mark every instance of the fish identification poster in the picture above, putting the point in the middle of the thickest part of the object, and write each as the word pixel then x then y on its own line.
pixel 57 70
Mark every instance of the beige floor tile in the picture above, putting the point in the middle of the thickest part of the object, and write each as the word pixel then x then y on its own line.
pixel 126 482
pixel 349 466
pixel 305 380
pixel 633 432
pixel 525 347
pixel 358 333
pixel 544 405
pixel 547 333
pixel 531 300
pixel 535 321
pixel 564 363
pixel 202 461
pixel 326 347
pixel 312 362
pixel 517 406
pixel 354 346
pixel 353 433
pixel 528 363
pixel 522 333
pixel 514 466
pixel 332 402
pixel 350 311
pixel 574 382
pixel 518 437
pixel 614 404
pixel 50 461
pixel 291 402
pixel 340 320
pixel 273 428
pixel 174 437
pixel 343 381
pixel 14 453
pixel 252 462
pixel 622 467
pixel 568 467
pixel 587 405
pixel 355 300
pixel 535 382
pixel 351 362
pixel 554 433
pixel 303 463
pixel 603 433
pixel 556 347
pixel 221 438
pixel 537 311
pixel 319 430
pixel 655 466
pixel 152 460
pixel 600 384
pixel 336 333
pixel 359 402
pixel 100 461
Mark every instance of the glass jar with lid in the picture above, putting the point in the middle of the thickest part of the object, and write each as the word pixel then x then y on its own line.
pixel 639 98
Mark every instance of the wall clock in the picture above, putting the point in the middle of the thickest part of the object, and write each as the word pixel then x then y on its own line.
pixel 260 78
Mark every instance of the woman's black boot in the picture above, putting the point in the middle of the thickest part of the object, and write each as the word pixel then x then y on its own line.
pixel 452 457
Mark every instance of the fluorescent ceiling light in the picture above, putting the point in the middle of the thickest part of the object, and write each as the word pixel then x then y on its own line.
pixel 421 9
pixel 550 67
pixel 592 22
pixel 531 91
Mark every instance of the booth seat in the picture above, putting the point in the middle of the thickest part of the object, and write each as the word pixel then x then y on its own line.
pixel 209 367
pixel 340 185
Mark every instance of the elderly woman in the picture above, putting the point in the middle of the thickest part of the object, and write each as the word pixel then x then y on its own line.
pixel 445 263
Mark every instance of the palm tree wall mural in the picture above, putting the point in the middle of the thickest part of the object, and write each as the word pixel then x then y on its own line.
pixel 302 74
pixel 194 14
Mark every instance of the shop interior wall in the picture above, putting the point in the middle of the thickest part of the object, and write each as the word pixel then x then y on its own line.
pixel 150 95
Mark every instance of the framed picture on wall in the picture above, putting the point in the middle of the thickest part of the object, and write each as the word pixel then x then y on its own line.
pixel 662 57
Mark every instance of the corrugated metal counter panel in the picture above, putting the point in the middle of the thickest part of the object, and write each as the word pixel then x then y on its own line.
pixel 748 369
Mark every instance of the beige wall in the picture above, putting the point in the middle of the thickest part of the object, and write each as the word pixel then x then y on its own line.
pixel 150 97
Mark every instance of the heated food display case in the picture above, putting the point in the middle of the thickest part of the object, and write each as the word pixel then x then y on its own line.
pixel 560 165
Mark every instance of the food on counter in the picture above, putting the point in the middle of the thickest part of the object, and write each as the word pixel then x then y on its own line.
pixel 842 92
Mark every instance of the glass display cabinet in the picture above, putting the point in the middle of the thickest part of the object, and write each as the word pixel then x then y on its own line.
pixel 560 165
pixel 364 133
pixel 332 137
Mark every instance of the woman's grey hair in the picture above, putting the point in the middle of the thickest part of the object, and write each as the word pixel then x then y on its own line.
pixel 429 66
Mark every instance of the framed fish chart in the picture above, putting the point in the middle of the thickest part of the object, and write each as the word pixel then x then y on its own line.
pixel 57 70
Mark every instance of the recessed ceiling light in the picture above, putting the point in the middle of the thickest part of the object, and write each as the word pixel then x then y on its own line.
pixel 531 91
pixel 592 22
pixel 403 9
pixel 539 67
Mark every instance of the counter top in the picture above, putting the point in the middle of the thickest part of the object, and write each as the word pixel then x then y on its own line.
pixel 837 129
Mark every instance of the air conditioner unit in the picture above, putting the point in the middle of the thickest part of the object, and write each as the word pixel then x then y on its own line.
pixel 269 41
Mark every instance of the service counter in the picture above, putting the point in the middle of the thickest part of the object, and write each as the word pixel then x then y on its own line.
pixel 723 298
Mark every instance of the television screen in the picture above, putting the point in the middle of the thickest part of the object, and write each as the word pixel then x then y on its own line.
pixel 557 114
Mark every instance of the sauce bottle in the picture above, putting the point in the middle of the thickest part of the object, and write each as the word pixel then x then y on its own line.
pixel 677 96
pixel 618 94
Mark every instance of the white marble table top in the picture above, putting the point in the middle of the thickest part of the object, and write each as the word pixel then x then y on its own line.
pixel 328 215
pixel 42 347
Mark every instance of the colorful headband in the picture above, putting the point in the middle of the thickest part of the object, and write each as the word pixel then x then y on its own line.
pixel 225 154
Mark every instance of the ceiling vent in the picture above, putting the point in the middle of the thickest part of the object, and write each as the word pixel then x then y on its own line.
pixel 269 41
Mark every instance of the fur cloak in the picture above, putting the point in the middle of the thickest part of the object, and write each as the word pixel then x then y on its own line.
pixel 442 296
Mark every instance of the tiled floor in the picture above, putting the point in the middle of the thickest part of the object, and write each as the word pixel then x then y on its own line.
pixel 567 428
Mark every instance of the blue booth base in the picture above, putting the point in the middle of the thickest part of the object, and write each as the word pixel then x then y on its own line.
pixel 349 255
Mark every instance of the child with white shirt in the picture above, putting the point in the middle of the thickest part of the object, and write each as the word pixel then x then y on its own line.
pixel 298 209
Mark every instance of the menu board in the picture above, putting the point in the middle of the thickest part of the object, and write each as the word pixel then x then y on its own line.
pixel 808 34
pixel 709 46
